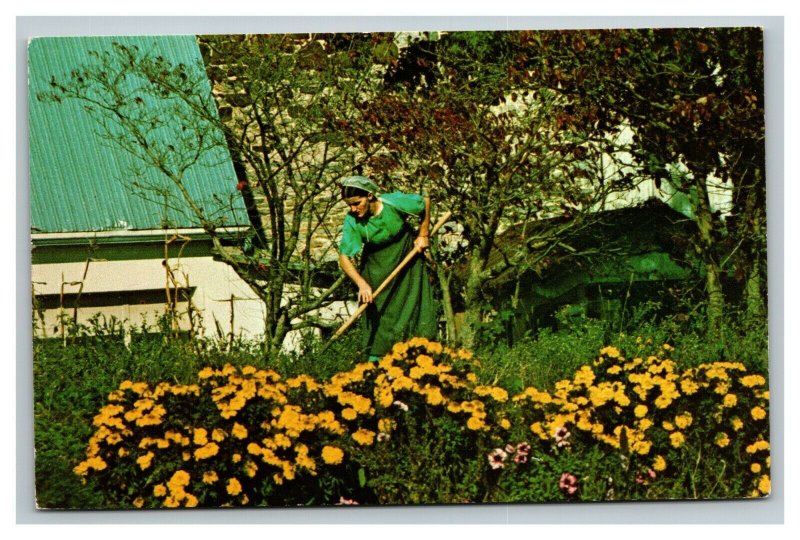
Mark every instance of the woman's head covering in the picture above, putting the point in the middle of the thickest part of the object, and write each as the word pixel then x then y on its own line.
pixel 361 182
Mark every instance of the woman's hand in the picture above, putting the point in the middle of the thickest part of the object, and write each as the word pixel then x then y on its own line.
pixel 364 292
pixel 422 243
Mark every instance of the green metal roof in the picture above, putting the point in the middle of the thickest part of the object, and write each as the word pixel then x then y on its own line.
pixel 81 182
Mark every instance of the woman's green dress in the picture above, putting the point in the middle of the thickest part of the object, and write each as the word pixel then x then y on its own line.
pixel 406 308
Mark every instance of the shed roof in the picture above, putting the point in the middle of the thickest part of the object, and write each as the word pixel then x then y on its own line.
pixel 79 182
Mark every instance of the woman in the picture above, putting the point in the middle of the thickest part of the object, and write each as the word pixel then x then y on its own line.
pixel 376 228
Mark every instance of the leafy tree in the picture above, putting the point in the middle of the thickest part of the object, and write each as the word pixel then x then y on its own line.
pixel 692 97
pixel 461 119
pixel 283 100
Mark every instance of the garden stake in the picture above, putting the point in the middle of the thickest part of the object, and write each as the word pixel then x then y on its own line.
pixel 389 278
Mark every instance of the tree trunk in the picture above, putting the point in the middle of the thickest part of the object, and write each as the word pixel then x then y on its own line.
pixel 705 249
pixel 473 299
pixel 447 304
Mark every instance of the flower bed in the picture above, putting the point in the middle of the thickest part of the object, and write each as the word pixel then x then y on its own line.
pixel 419 427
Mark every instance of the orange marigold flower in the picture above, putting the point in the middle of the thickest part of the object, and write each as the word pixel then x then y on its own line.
pixel 200 436
pixel 204 452
pixel 764 485
pixel 239 431
pixel 752 380
pixel 611 352
pixel 209 477
pixel 332 455
pixel 676 439
pixel 758 413
pixel 364 437
pixel 722 440
pixel 145 460
pixel 233 487
pixel 159 490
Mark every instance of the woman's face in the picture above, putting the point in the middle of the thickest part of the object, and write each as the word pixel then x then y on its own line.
pixel 359 206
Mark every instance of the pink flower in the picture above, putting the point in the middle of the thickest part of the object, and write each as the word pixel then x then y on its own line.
pixel 497 458
pixel 561 436
pixel 521 458
pixel 568 483
pixel 643 480
pixel 523 449
pixel 510 448
pixel 346 502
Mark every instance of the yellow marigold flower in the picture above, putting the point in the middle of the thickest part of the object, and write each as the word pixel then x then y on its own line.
pixel 722 440
pixel 537 428
pixel 332 455
pixel 200 436
pixel 498 394
pixel 729 400
pixel 239 431
pixel 614 370
pixel 138 502
pixel 584 421
pixel 584 376
pixel 676 439
pixel 402 383
pixel 663 401
pixel 179 478
pixel 186 455
pixel 474 423
pixel 722 388
pixel 645 424
pixel 209 477
pixel 640 411
pixel 205 373
pixel 683 420
pixel 642 447
pixel 386 425
pixel 505 424
pixel 122 452
pixel 385 397
pixel 250 469
pixel 689 387
pixel 236 458
pixel 753 380
pixel 159 490
pixel 364 437
pixel 764 485
pixel 349 413
pixel 218 435
pixel 755 468
pixel 758 413
pixel 768 461
pixel 204 452
pixel 145 460
pixel 659 463
pixel 233 487
pixel 433 395
pixel 611 352
pixel 667 347
pixel 737 423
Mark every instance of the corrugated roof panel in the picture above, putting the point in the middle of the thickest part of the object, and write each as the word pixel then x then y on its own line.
pixel 80 181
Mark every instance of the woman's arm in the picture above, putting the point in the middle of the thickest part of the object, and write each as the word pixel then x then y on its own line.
pixel 364 289
pixel 422 241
